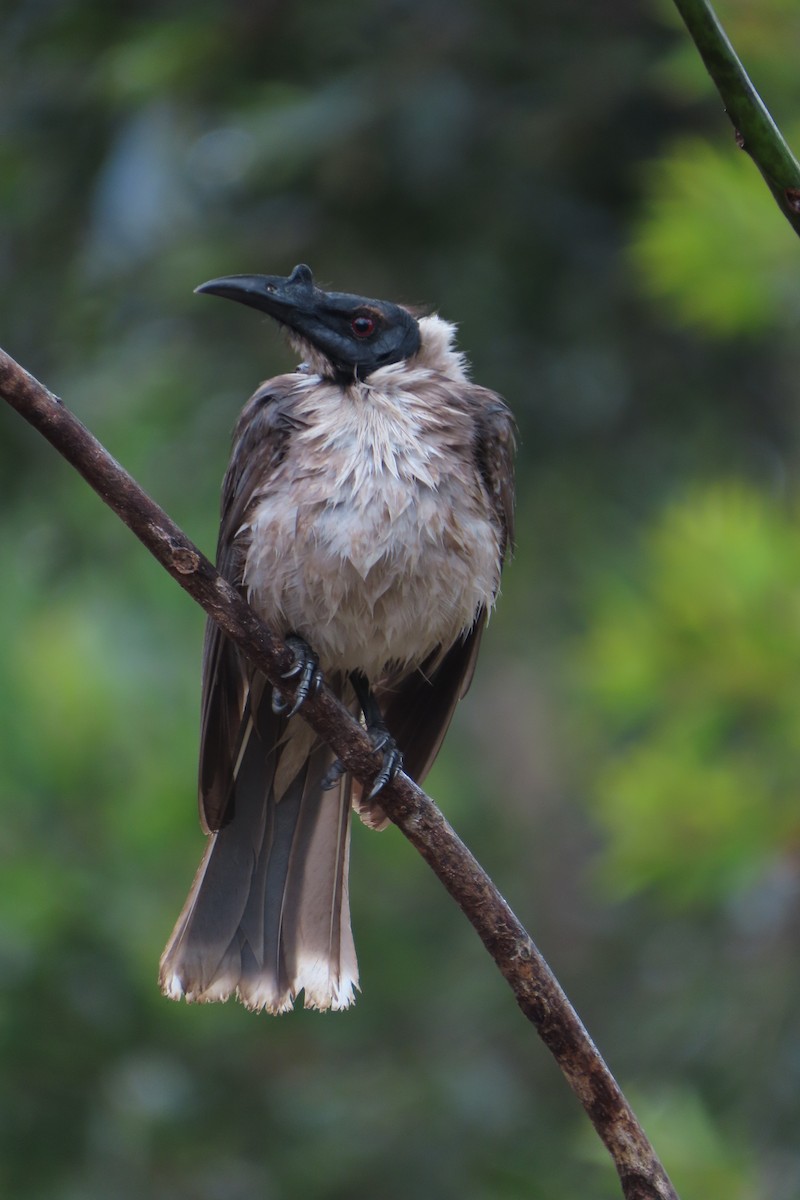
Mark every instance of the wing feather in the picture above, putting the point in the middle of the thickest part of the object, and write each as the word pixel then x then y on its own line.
pixel 259 445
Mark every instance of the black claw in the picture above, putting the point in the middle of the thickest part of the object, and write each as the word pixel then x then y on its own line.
pixel 333 775
pixel 392 763
pixel 384 743
pixel 297 667
pixel 382 740
pixel 306 665
pixel 392 759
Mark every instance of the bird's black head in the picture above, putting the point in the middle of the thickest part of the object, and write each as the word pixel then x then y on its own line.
pixel 353 334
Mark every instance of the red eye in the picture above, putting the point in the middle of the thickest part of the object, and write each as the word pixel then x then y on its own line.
pixel 362 327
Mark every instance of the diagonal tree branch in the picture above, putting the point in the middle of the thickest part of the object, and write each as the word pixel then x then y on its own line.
pixel 756 132
pixel 536 989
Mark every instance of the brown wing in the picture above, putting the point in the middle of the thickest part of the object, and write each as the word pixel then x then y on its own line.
pixel 259 445
pixel 495 445
pixel 419 711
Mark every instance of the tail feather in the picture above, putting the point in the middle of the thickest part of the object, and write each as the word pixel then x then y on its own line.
pixel 268 914
pixel 316 916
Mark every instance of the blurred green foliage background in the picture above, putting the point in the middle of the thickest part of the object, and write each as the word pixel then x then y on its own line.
pixel 562 182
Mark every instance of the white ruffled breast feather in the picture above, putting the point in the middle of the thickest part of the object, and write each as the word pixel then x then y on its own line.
pixel 376 542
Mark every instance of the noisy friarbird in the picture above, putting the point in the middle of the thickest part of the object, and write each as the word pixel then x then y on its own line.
pixel 366 513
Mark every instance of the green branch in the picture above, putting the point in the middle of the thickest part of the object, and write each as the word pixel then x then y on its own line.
pixel 756 132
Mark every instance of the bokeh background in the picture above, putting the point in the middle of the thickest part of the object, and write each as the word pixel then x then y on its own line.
pixel 562 182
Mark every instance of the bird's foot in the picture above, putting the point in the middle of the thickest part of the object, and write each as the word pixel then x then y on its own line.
pixel 392 761
pixel 392 758
pixel 306 670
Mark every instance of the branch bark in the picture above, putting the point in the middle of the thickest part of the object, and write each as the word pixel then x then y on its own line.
pixel 535 988
pixel 756 132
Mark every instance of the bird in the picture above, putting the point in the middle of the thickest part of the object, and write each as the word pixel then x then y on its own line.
pixel 366 515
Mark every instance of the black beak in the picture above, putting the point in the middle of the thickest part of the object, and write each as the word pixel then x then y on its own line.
pixel 353 334
pixel 276 295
